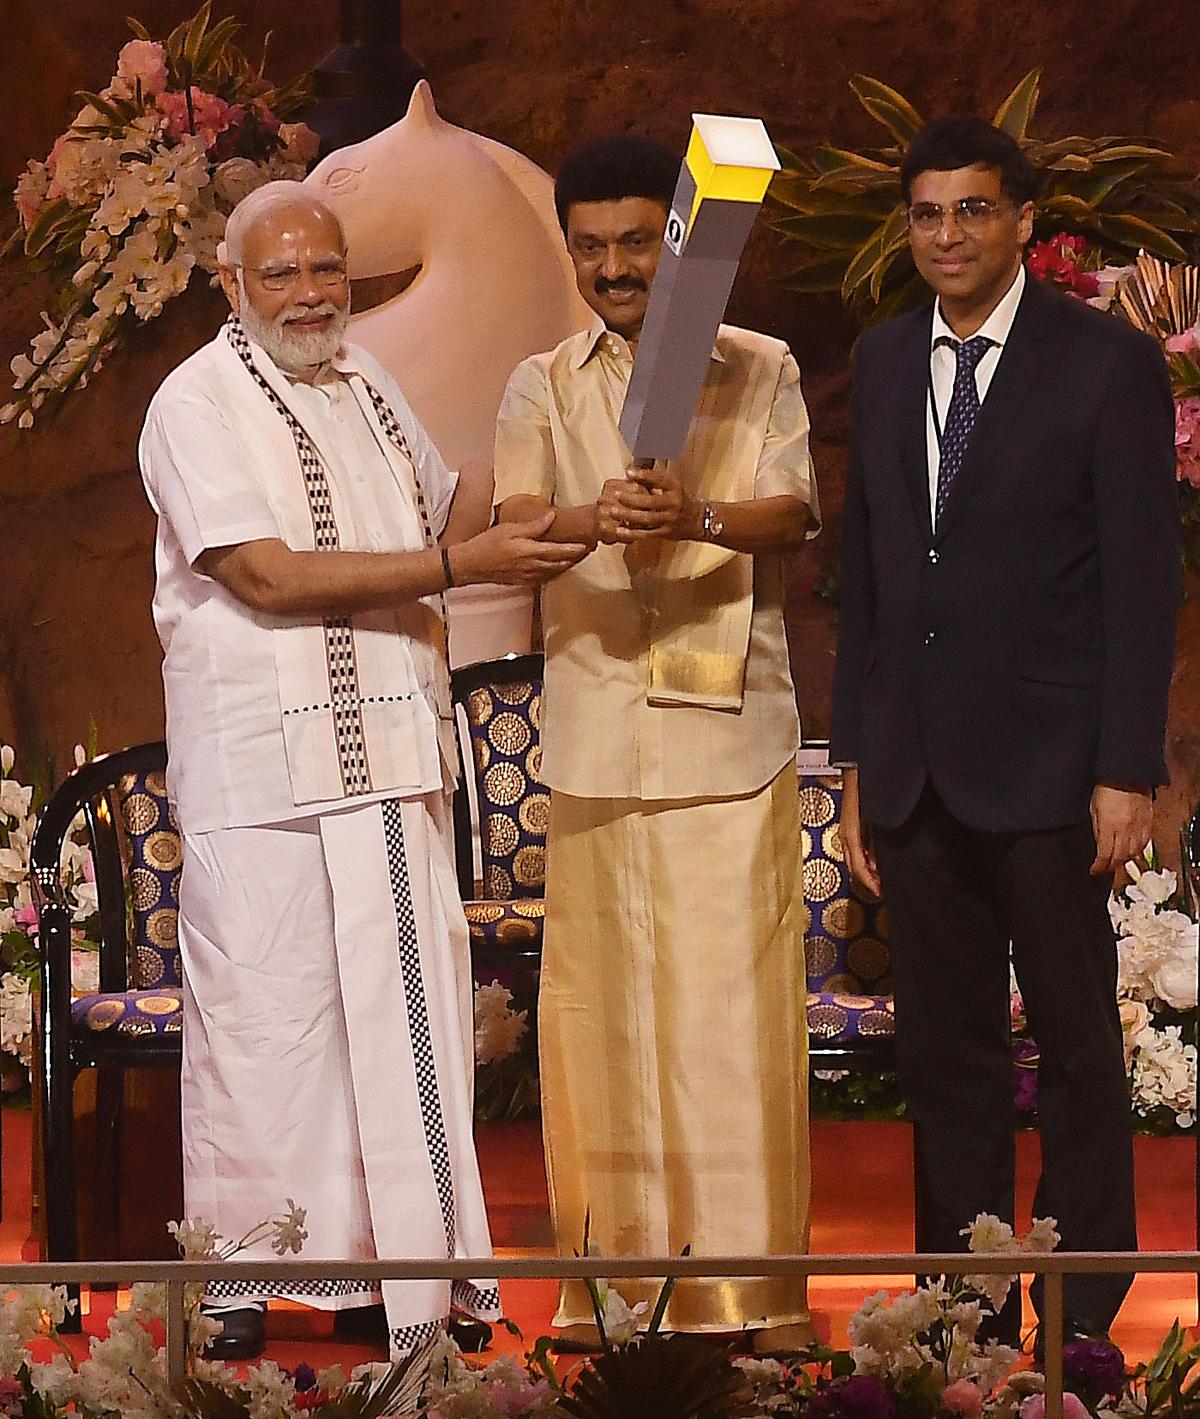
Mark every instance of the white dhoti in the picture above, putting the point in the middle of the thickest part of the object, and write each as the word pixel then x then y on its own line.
pixel 328 1051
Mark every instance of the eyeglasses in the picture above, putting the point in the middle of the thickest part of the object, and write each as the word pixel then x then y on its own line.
pixel 971 214
pixel 280 278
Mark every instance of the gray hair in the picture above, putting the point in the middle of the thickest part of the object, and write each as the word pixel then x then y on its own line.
pixel 270 197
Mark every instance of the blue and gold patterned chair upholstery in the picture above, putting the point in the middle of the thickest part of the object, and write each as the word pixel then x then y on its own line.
pixel 501 702
pixel 850 1007
pixel 136 1017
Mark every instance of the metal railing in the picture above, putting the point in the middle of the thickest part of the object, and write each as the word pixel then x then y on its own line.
pixel 176 1274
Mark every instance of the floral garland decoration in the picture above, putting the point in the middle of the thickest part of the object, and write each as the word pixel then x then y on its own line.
pixel 134 196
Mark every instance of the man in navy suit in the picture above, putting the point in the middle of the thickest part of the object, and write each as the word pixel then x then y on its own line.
pixel 1009 585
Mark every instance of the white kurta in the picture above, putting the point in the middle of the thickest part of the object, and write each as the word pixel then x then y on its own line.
pixel 328 1030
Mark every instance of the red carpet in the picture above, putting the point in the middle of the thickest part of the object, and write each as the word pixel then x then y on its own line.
pixel 862 1202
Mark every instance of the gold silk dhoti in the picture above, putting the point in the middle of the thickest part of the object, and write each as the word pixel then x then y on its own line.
pixel 674 1045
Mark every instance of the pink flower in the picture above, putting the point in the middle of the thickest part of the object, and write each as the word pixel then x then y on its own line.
pixel 1073 1407
pixel 1185 344
pixel 1060 261
pixel 1187 441
pixel 212 115
pixel 144 61
pixel 963 1397
pixel 28 918
pixel 56 152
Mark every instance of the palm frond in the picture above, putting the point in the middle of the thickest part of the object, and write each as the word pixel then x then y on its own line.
pixel 842 209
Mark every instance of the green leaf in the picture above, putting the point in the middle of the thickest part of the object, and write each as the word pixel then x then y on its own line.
pixel 1042 154
pixel 1168 1353
pixel 664 1299
pixel 114 110
pixel 831 160
pixel 47 225
pixel 823 274
pixel 836 231
pixel 888 107
pixel 140 31
pixel 1120 151
pixel 893 243
pixel 1016 112
pixel 842 1365
pixel 907 295
pixel 875 203
pixel 195 33
pixel 1097 185
pixel 861 264
pixel 789 159
pixel 176 40
pixel 1172 221
pixel 1071 162
pixel 1068 207
pixel 216 40
pixel 1133 233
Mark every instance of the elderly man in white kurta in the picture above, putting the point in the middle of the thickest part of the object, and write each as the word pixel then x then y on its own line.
pixel 306 528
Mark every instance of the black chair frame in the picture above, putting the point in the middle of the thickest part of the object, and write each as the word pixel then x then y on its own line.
pixel 62 1054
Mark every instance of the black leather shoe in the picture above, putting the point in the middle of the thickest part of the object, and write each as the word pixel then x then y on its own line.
pixel 470 1335
pixel 243 1334
pixel 367 1324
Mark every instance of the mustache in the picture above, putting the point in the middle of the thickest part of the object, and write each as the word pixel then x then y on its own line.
pixel 622 283
pixel 305 312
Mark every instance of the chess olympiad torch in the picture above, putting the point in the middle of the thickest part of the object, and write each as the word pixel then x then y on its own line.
pixel 721 186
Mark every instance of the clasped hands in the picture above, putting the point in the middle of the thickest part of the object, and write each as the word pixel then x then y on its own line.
pixel 647 503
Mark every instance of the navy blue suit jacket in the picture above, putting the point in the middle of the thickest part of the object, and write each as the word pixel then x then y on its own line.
pixel 1022 652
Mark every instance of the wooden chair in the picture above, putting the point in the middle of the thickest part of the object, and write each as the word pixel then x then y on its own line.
pixel 135 1020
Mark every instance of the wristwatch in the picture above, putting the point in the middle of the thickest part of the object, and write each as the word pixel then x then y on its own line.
pixel 711 525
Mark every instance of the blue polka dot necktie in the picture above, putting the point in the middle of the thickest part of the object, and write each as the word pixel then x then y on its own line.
pixel 961 415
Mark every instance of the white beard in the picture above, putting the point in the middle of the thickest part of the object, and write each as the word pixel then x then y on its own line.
pixel 296 352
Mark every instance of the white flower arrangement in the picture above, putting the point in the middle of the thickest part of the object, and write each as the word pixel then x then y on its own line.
pixel 1158 946
pixel 18 916
pixel 133 197
pixel 499 1029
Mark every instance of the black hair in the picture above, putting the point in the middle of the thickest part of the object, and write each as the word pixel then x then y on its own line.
pixel 608 169
pixel 948 143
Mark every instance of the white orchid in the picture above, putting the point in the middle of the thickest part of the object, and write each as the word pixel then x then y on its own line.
pixel 498 1028
pixel 620 1320
pixel 1164 1073
pixel 290 1233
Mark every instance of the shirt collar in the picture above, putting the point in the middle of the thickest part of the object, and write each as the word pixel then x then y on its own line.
pixel 997 326
pixel 597 332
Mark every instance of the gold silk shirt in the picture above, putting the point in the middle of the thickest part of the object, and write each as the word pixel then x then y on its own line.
pixel 557 438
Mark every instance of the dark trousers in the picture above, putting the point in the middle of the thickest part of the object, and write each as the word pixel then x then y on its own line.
pixel 956 898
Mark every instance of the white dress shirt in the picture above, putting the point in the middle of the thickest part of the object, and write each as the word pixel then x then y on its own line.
pixel 943 362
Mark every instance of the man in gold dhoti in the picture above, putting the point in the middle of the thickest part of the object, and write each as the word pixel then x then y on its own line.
pixel 672 1010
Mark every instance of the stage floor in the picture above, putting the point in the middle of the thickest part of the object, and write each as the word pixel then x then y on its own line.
pixel 862 1202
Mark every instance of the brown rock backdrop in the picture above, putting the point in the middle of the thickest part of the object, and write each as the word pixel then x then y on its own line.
pixel 76 641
